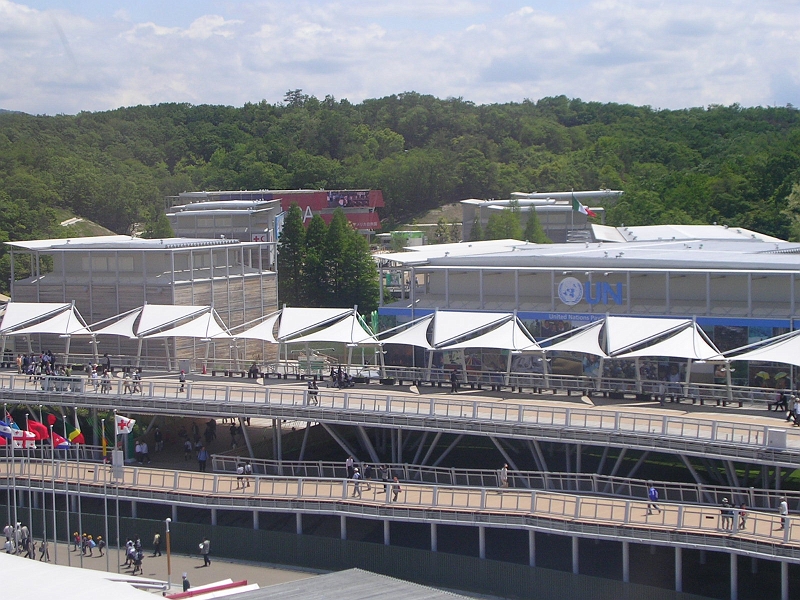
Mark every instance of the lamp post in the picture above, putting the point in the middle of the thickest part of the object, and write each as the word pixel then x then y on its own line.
pixel 167 521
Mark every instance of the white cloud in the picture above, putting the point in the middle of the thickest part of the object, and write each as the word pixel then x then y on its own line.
pixel 665 54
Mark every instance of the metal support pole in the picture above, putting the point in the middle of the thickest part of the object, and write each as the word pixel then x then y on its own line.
pixel 298 520
pixel 133 509
pixel 481 541
pixel 255 520
pixel 734 576
pixel 343 527
pixel 784 580
pixel 175 513
pixel 213 516
pixel 531 548
pixel 575 563
pixel 169 555
pixel 626 562
pixel 434 538
pixel 386 532
pixel 678 569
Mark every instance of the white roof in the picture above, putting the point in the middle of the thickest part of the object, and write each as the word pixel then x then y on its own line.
pixel 687 343
pixel 451 325
pixel 511 335
pixel 295 321
pixel 262 331
pixel 783 349
pixel 586 340
pixel 415 335
pixel 156 316
pixel 348 331
pixel 204 326
pixel 123 327
pixel 19 314
pixel 67 322
pixel 624 332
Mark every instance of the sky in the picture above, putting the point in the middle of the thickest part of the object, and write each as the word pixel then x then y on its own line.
pixel 67 56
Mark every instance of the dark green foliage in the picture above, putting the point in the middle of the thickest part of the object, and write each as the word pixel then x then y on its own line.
pixel 731 165
pixel 534 232
pixel 291 256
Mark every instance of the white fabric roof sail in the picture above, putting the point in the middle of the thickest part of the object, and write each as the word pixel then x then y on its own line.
pixel 123 327
pixel 262 331
pixel 784 349
pixel 19 314
pixel 295 321
pixel 156 316
pixel 67 322
pixel 687 343
pixel 624 332
pixel 449 326
pixel 586 341
pixel 205 326
pixel 511 335
pixel 416 335
pixel 348 331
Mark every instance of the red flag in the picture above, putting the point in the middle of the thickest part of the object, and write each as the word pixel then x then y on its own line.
pixel 39 430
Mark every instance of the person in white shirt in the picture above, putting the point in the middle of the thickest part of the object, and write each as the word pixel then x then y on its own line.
pixel 783 509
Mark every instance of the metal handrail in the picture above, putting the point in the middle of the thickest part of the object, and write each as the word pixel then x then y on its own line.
pixel 486 504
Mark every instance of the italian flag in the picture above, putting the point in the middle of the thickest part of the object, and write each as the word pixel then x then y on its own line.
pixel 577 206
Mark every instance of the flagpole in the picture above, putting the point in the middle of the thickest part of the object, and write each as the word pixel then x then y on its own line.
pixel 8 464
pixel 114 466
pixel 53 474
pixel 14 477
pixel 67 498
pixel 105 489
pixel 30 483
pixel 80 519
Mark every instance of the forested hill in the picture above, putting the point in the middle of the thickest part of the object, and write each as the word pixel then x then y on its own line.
pixel 731 165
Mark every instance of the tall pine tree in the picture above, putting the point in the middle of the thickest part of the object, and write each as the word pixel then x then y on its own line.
pixel 291 257
pixel 315 277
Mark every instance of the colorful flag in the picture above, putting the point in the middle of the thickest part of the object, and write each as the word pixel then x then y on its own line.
pixel 10 421
pixel 123 424
pixel 5 431
pixel 38 429
pixel 73 433
pixel 59 442
pixel 578 207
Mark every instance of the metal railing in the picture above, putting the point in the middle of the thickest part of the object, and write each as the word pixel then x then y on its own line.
pixel 628 519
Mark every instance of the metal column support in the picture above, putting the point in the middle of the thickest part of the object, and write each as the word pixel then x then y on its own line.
pixel 343 527
pixel 481 541
pixel 784 580
pixel 339 440
pixel 603 458
pixel 133 508
pixel 734 576
pixel 298 523
pixel 434 538
pixel 213 516
pixel 531 548
pixel 420 447
pixel 174 513
pixel 638 464
pixel 448 450
pixel 305 441
pixel 508 459
pixel 575 563
pixel 678 569
pixel 386 532
pixel 368 444
pixel 430 450
pixel 626 562
pixel 246 437
pixel 255 519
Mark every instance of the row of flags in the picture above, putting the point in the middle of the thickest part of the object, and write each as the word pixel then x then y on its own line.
pixel 11 432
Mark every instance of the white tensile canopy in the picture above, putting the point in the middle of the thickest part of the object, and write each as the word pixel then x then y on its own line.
pixel 64 323
pixel 781 349
pixel 689 343
pixel 27 318
pixel 262 331
pixel 449 326
pixel 157 316
pixel 626 332
pixel 350 331
pixel 204 327
pixel 585 340
pixel 510 335
pixel 415 334
pixel 20 314
pixel 296 321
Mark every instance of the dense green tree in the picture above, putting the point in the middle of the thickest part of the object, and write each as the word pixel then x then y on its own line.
pixel 291 255
pixel 504 224
pixel 534 232
pixel 315 276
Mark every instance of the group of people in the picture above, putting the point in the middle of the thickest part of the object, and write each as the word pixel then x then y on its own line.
pixel 32 364
pixel 340 379
pixel 20 541
pixel 87 543
pixel 365 478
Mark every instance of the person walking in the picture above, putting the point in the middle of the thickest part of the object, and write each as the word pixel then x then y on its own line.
pixel 182 381
pixel 742 515
pixel 44 551
pixel 783 510
pixel 186 584
pixel 158 437
pixel 248 472
pixel 145 452
pixel 101 544
pixel 349 463
pixel 356 483
pixel 395 489
pixel 205 548
pixel 156 544
pixel 652 497
pixel 202 458
pixel 454 381
pixel 726 514
pixel 504 476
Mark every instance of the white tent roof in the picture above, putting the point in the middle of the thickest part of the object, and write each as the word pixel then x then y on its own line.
pixel 784 349
pixel 623 332
pixel 687 343
pixel 156 316
pixel 295 321
pixel 262 331
pixel 511 335
pixel 123 327
pixel 19 314
pixel 204 326
pixel 348 331
pixel 451 325
pixel 416 335
pixel 586 341
pixel 67 322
